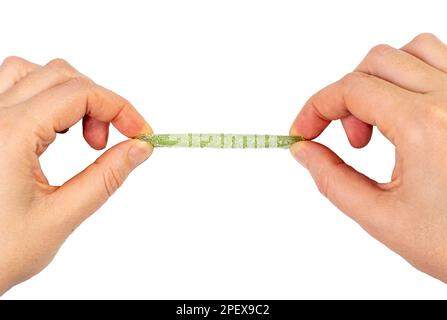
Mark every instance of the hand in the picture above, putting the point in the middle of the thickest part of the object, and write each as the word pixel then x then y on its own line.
pixel 36 102
pixel 404 93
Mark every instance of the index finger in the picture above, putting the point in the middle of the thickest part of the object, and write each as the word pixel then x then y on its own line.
pixel 368 98
pixel 60 107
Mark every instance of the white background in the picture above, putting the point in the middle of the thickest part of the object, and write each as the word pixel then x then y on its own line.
pixel 219 223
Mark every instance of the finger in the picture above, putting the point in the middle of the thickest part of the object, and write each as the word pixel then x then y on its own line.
pixel 53 73
pixel 369 99
pixel 62 106
pixel 63 131
pixel 12 70
pixel 95 132
pixel 402 69
pixel 358 132
pixel 429 49
pixel 87 191
pixel 396 67
pixel 352 192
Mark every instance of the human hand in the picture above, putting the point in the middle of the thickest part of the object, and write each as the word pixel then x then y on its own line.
pixel 404 93
pixel 36 102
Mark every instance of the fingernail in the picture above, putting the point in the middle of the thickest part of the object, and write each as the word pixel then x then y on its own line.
pixel 298 151
pixel 139 152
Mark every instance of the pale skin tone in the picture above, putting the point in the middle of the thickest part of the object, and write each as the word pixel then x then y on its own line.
pixel 37 102
pixel 403 92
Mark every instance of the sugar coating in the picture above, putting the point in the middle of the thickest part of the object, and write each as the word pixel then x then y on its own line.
pixel 220 140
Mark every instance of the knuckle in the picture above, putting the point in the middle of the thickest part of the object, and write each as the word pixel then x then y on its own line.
pixel 125 103
pixel 326 180
pixel 323 182
pixel 424 38
pixel 375 56
pixel 13 61
pixel 352 78
pixel 429 117
pixel 323 186
pixel 112 180
pixel 81 83
pixel 62 66
pixel 59 63
pixel 379 50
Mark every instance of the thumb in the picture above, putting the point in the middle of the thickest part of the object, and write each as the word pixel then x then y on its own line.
pixel 350 191
pixel 82 195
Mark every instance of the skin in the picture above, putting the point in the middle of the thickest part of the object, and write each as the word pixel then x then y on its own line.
pixel 403 92
pixel 36 103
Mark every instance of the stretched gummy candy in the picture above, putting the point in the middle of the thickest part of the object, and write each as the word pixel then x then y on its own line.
pixel 212 140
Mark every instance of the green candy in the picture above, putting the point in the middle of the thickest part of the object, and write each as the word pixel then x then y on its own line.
pixel 224 141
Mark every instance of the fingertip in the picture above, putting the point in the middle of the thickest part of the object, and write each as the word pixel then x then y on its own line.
pixel 97 140
pixel 96 144
pixel 147 129
pixel 293 131
pixel 360 139
pixel 95 132
pixel 360 143
pixel 358 132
